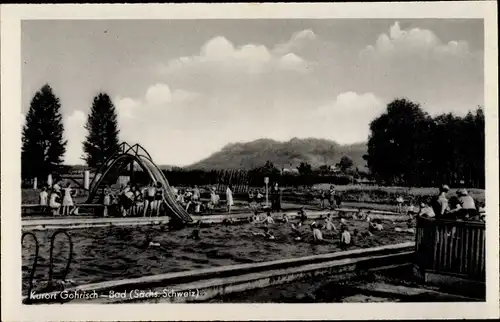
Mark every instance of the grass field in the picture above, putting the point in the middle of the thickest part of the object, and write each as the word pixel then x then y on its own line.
pixel 361 193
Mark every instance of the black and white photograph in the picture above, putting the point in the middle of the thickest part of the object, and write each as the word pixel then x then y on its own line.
pixel 257 160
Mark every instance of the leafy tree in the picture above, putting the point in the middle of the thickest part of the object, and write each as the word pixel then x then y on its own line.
pixel 305 168
pixel 345 163
pixel 102 126
pixel 43 145
pixel 406 146
pixel 396 142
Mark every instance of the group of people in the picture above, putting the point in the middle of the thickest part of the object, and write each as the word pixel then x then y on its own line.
pixel 134 201
pixel 297 232
pixel 59 198
pixel 462 206
pixel 256 198
pixel 329 197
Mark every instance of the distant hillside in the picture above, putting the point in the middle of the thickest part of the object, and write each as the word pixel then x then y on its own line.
pixel 289 154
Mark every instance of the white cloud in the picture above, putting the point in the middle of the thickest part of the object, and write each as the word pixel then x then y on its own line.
pixel 158 94
pixel 347 118
pixel 414 41
pixel 415 63
pixel 297 42
pixel 220 54
pixel 291 61
pixel 75 134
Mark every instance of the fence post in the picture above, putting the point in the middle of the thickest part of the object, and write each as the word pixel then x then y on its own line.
pixel 86 179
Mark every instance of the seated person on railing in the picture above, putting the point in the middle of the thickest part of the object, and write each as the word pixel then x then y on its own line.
pixel 466 207
pixel 425 209
pixel 439 203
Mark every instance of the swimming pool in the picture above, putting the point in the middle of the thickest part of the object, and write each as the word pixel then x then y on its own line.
pixel 103 254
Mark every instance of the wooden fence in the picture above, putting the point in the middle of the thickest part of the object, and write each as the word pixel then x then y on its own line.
pixel 450 247
pixel 237 178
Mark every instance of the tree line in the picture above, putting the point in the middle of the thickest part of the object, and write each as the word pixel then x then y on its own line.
pixel 406 147
pixel 43 142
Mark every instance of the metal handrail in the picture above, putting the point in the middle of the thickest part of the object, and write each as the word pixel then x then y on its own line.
pixel 51 262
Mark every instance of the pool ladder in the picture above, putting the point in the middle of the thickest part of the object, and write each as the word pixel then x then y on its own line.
pixel 63 274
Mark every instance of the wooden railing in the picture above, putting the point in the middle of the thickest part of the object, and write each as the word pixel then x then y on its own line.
pixel 451 247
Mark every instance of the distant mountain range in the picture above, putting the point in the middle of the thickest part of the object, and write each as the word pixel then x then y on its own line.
pixel 288 154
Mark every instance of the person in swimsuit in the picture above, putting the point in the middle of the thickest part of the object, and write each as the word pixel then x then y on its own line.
pixel 158 198
pixel 138 201
pixel 149 203
pixel 269 219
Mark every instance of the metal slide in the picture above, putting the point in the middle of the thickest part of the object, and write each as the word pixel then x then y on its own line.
pixel 175 208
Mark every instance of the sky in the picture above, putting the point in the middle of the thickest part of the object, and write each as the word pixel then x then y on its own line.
pixel 184 89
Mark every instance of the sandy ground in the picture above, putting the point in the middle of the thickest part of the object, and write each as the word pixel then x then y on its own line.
pixel 102 254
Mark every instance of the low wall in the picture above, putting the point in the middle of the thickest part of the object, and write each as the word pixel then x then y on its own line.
pixel 201 285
